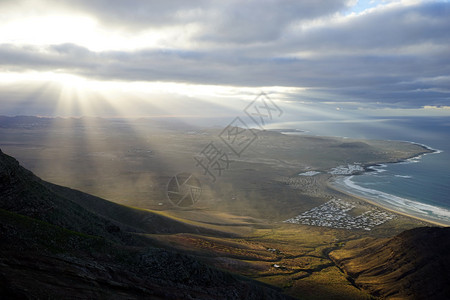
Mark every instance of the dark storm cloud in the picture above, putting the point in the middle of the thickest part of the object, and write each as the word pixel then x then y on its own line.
pixel 65 56
pixel 394 55
pixel 234 21
pixel 262 21
pixel 385 29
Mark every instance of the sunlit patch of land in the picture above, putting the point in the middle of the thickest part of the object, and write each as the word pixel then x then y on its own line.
pixel 237 224
pixel 130 162
pixel 294 258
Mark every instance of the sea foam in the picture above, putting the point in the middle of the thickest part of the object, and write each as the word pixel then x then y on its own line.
pixel 400 204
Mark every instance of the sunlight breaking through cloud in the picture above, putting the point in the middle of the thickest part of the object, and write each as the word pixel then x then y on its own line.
pixel 383 54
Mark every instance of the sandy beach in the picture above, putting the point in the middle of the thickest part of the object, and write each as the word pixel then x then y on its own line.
pixel 338 184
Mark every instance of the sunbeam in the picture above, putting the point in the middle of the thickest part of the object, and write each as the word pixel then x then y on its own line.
pixel 171 149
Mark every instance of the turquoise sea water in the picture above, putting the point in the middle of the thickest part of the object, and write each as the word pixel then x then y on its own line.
pixel 419 186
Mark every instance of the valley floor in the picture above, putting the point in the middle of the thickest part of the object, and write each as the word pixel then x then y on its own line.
pixel 272 216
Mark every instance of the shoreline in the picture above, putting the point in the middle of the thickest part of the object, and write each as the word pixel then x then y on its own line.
pixel 332 185
pixel 429 150
pixel 344 188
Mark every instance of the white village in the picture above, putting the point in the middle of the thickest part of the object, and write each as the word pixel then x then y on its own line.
pixel 334 214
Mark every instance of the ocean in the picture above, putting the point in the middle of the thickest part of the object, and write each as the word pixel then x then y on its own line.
pixel 419 186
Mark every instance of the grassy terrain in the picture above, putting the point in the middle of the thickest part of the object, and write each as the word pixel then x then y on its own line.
pixel 291 257
pixel 131 163
pixel 411 265
pixel 54 244
pixel 237 224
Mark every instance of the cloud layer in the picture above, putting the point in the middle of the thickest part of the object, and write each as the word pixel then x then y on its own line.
pixel 394 54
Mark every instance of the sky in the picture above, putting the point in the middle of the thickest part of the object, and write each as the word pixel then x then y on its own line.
pixel 210 58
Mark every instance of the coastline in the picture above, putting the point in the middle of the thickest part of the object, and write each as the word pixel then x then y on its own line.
pixel 428 150
pixel 332 185
pixel 338 184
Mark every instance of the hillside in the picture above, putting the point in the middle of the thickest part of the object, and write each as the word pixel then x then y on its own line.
pixel 412 265
pixel 52 246
pixel 56 241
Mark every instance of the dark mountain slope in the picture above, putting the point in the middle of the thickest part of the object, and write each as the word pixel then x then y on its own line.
pixel 43 261
pixel 53 248
pixel 138 220
pixel 413 265
pixel 24 193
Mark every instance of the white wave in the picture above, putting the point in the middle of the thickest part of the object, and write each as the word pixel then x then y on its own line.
pixel 378 168
pixel 435 151
pixel 410 161
pixel 400 204
pixel 403 176
pixel 372 183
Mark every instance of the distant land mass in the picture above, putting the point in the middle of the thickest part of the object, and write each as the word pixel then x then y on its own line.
pixel 235 243
pixel 286 130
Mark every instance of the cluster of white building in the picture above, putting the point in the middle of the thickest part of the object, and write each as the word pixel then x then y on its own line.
pixel 347 170
pixel 309 173
pixel 334 214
